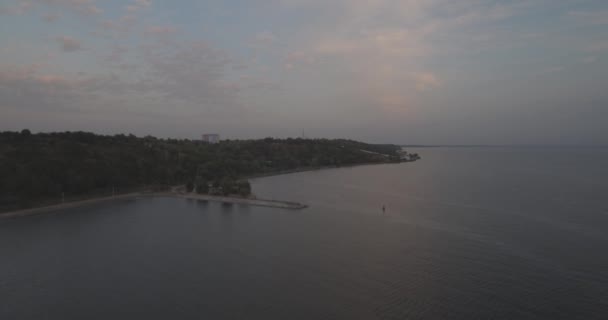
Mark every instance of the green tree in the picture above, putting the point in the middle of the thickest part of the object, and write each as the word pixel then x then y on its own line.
pixel 202 186
pixel 35 168
pixel 189 186
pixel 243 188
pixel 228 186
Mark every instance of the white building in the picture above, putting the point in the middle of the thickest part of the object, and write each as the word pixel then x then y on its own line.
pixel 211 138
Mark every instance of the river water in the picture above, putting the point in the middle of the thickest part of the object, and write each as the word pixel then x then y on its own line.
pixel 468 233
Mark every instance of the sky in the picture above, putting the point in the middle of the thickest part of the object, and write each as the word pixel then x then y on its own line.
pixel 387 71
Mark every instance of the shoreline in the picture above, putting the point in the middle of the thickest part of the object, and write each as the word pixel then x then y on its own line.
pixel 310 169
pixel 192 196
pixel 65 205
pixel 81 203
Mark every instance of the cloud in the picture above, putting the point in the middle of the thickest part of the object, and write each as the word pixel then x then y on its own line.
pixel 121 27
pixel 589 60
pixel 115 57
pixel 194 77
pixel 143 3
pixel 160 31
pixel 596 46
pixel 590 17
pixel 375 60
pixel 50 17
pixel 86 7
pixel 138 5
pixel 263 39
pixel 532 35
pixel 298 58
pixel 385 42
pixel 379 46
pixel 426 81
pixel 21 7
pixel 125 24
pixel 194 72
pixel 31 89
pixel 69 44
pixel 25 87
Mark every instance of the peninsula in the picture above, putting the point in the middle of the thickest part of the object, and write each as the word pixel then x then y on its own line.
pixel 47 169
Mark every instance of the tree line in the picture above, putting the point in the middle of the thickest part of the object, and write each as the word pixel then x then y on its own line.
pixel 34 167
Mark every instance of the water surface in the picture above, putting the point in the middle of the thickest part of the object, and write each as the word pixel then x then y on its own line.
pixel 481 233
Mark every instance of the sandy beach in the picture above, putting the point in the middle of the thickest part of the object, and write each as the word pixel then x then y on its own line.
pixel 193 196
pixel 66 205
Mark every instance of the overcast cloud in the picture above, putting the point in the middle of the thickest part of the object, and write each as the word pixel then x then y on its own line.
pixel 400 71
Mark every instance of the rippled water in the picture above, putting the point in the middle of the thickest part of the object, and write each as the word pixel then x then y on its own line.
pixel 488 233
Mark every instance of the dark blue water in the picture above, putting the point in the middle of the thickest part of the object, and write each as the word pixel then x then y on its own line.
pixel 494 233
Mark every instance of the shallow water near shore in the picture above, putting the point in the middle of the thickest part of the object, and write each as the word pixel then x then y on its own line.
pixel 468 233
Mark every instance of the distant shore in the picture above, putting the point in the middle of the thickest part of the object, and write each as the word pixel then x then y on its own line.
pixel 193 196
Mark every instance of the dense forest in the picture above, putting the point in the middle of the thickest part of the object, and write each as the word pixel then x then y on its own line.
pixel 47 166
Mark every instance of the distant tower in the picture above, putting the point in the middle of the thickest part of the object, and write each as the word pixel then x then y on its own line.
pixel 211 138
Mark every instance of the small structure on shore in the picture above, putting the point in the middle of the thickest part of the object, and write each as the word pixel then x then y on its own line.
pixel 211 138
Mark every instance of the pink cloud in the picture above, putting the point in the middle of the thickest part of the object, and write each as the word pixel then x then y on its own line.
pixel 138 5
pixel 426 81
